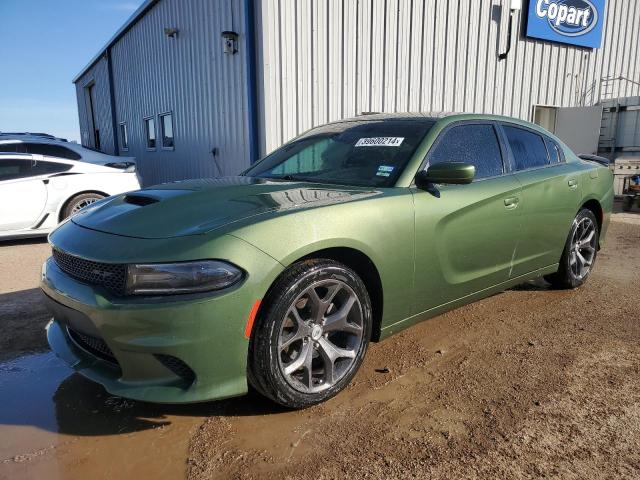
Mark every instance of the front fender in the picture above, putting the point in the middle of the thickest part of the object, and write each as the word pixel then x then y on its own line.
pixel 382 228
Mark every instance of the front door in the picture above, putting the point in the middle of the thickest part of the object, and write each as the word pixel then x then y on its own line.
pixel 466 235
pixel 22 197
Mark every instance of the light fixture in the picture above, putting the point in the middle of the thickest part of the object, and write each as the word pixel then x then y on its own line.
pixel 229 42
pixel 171 32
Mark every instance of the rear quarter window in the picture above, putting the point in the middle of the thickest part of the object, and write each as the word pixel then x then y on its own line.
pixel 555 152
pixel 528 148
pixel 48 168
pixel 52 151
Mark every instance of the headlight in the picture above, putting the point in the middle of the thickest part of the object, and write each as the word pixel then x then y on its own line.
pixel 183 277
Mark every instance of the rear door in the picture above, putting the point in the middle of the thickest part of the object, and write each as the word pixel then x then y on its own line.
pixel 466 234
pixel 23 194
pixel 549 200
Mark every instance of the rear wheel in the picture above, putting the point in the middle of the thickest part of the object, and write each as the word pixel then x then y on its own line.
pixel 311 338
pixel 579 254
pixel 79 202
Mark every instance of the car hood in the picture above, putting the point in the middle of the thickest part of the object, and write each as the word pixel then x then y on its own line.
pixel 195 207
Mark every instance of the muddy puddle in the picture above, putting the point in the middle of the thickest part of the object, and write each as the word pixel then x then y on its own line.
pixel 56 424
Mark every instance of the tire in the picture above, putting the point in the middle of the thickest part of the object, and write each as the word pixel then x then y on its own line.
pixel 78 202
pixel 580 251
pixel 312 334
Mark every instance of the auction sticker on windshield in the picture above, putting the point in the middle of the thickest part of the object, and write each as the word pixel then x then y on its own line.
pixel 380 142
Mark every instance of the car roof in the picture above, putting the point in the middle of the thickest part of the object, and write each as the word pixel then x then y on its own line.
pixel 15 154
pixel 36 157
pixel 443 117
pixel 29 136
pixel 409 116
pixel 431 117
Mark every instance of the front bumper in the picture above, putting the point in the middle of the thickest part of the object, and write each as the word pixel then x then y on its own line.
pixel 204 332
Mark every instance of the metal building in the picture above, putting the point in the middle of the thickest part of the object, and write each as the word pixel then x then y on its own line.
pixel 218 83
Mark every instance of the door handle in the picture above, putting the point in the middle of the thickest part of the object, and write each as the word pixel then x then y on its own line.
pixel 573 184
pixel 511 202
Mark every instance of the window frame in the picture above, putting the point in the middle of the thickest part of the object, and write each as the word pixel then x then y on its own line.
pixel 504 154
pixel 145 124
pixel 168 113
pixel 123 147
pixel 512 158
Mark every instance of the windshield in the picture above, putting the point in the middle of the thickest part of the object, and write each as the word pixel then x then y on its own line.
pixel 366 153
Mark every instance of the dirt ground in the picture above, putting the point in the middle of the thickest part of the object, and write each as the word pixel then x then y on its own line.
pixel 528 383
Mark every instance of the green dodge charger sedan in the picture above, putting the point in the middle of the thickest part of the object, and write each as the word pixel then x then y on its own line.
pixel 279 278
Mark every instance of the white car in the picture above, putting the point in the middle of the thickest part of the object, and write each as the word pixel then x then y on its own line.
pixel 50 146
pixel 37 192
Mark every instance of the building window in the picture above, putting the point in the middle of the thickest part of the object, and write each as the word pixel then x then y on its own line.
pixel 166 130
pixel 124 136
pixel 150 132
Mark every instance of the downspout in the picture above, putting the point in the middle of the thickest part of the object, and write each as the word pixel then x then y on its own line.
pixel 114 120
pixel 252 94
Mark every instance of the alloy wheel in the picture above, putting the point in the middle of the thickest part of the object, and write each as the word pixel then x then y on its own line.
pixel 583 248
pixel 320 336
pixel 85 202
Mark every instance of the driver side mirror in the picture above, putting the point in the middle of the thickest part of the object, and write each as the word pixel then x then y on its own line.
pixel 455 173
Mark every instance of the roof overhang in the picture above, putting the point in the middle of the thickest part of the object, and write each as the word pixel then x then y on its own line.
pixel 144 8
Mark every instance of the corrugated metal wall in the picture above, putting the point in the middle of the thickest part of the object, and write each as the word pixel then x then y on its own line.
pixel 322 60
pixel 189 76
pixel 98 76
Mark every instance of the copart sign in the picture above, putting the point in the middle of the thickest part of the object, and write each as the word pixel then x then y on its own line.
pixel 577 22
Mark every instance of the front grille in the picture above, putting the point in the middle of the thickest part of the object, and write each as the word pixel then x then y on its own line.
pixel 111 276
pixel 95 346
pixel 177 366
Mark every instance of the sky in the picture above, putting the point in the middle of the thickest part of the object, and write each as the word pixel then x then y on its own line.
pixel 43 45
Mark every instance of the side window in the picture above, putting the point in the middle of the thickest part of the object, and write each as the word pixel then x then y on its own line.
pixel 527 147
pixel 150 133
pixel 48 168
pixel 14 169
pixel 12 147
pixel 51 150
pixel 476 144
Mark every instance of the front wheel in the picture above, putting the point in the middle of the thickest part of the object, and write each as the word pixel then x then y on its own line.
pixel 579 253
pixel 311 338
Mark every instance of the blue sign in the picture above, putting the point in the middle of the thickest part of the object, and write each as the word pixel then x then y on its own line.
pixel 577 22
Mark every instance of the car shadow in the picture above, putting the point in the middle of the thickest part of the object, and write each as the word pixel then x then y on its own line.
pixel 23 241
pixel 539 284
pixel 84 408
pixel 39 390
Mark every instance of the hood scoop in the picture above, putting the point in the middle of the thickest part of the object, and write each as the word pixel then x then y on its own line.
pixel 140 200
